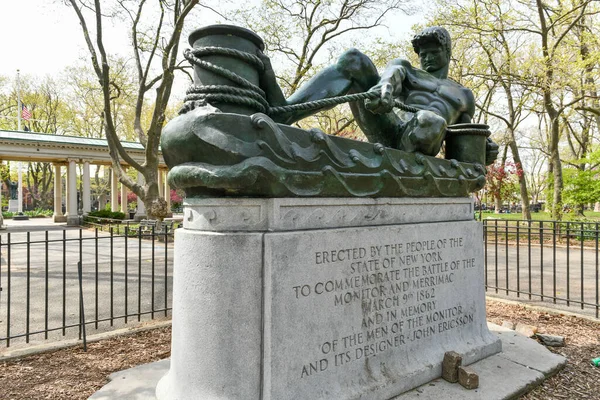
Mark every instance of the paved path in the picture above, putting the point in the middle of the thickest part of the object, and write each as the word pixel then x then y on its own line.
pixel 137 280
pixel 562 273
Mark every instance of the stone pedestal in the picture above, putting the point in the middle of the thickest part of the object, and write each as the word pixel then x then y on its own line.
pixel 323 298
pixel 13 206
pixel 59 218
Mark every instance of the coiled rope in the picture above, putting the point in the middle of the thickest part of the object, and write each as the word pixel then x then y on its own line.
pixel 250 95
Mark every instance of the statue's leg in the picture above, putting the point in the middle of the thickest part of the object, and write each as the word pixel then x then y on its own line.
pixel 378 128
pixel 423 133
pixel 354 72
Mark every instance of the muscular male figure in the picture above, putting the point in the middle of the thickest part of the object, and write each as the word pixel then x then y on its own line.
pixel 441 101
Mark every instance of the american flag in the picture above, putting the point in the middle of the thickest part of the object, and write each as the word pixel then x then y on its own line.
pixel 25 114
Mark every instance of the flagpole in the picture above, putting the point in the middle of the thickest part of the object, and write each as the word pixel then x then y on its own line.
pixel 19 106
pixel 19 171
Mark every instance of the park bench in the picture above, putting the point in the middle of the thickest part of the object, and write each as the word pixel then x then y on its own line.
pixel 148 225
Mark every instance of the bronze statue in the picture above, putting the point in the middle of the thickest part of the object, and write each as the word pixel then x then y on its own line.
pixel 233 138
pixel 440 100
pixel 13 186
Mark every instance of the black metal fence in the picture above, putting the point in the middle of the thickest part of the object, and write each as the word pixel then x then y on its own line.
pixel 124 277
pixel 546 261
pixel 125 274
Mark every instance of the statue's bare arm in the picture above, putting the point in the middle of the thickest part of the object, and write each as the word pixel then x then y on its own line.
pixel 390 85
pixel 467 116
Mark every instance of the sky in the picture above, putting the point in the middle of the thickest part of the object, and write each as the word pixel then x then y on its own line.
pixel 38 37
pixel 41 37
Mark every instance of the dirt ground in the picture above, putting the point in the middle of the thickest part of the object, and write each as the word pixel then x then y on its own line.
pixel 74 374
pixel 579 379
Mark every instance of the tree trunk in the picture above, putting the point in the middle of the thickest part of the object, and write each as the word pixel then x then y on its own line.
pixel 522 181
pixel 497 204
pixel 557 206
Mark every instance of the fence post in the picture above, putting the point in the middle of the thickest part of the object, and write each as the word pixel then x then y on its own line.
pixel 597 276
pixel 0 269
pixel 81 307
pixel 8 279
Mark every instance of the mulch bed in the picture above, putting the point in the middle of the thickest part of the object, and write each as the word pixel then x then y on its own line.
pixel 74 374
pixel 579 379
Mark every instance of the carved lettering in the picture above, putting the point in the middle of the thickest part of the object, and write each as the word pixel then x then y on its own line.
pixel 396 288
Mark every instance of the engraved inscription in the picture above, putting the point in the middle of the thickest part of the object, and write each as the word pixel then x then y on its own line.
pixel 396 287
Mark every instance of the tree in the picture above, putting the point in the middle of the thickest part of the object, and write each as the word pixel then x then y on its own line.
pixel 300 30
pixel 501 182
pixel 529 49
pixel 492 49
pixel 582 185
pixel 581 123
pixel 155 32
pixel 46 101
pixel 556 22
pixel 304 35
pixel 86 102
pixel 40 182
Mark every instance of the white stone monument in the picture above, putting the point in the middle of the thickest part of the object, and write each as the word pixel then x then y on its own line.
pixel 13 205
pixel 340 298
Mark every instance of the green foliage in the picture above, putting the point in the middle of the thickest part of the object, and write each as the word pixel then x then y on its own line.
pixel 107 214
pixel 39 213
pixel 582 186
pixel 591 216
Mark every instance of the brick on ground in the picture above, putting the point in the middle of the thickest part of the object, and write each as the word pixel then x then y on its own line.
pixel 452 360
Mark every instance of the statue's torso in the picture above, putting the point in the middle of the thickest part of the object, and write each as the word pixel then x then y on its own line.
pixel 442 96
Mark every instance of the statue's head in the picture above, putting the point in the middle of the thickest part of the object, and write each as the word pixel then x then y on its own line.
pixel 434 37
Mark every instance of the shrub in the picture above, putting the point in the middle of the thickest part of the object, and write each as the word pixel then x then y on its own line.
pixel 39 213
pixel 107 214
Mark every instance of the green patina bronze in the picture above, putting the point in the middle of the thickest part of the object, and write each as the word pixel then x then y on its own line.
pixel 233 139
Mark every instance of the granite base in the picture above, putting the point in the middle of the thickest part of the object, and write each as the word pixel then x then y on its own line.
pixel 323 298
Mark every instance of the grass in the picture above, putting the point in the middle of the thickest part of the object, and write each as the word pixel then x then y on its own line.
pixel 583 231
pixel 589 216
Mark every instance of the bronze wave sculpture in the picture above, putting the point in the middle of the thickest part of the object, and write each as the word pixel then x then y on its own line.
pixel 226 141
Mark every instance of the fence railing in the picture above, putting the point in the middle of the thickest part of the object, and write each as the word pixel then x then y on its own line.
pixel 124 278
pixel 549 261
pixel 126 274
pixel 119 226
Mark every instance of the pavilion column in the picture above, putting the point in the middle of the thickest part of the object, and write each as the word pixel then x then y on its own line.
pixel 114 191
pixel 58 213
pixel 124 209
pixel 87 193
pixel 72 216
pixel 1 217
pixel 161 189
pixel 141 209
pixel 167 191
pixel 20 187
